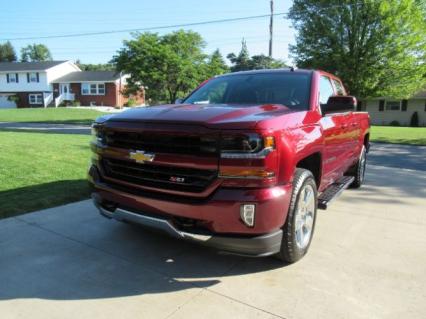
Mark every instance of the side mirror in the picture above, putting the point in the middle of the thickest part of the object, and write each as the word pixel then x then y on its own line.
pixel 178 101
pixel 339 104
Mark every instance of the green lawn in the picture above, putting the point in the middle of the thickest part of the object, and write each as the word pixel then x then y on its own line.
pixel 399 135
pixel 40 170
pixel 50 115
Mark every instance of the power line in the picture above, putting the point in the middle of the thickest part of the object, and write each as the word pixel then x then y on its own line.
pixel 72 35
pixel 271 26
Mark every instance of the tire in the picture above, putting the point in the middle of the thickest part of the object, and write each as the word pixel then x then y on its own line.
pixel 300 224
pixel 358 171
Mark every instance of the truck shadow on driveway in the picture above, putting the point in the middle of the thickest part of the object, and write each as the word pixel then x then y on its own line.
pixel 70 253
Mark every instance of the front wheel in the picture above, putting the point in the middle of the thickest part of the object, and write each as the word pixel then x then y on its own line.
pixel 359 169
pixel 299 226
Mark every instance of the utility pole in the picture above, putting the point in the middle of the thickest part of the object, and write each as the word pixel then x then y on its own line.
pixel 271 28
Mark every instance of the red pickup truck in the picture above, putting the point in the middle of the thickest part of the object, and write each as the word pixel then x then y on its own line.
pixel 241 164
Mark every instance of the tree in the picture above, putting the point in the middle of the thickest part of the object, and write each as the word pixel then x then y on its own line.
pixel 7 52
pixel 265 62
pixel 243 61
pixel 169 66
pixel 35 53
pixel 216 64
pixel 95 67
pixel 378 48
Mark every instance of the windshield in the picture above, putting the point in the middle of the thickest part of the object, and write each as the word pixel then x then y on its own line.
pixel 286 88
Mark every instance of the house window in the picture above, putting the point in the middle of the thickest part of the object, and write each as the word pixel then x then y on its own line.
pixel 12 78
pixel 101 89
pixel 85 89
pixel 35 98
pixel 93 89
pixel 32 77
pixel 393 105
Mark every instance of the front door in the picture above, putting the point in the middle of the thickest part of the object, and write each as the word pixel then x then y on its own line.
pixel 337 141
pixel 64 88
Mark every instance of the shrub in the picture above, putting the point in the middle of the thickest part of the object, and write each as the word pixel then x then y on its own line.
pixel 394 123
pixel 414 120
pixel 75 103
pixel 13 98
pixel 131 102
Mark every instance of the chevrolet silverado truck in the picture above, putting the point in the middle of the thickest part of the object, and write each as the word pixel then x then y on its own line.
pixel 241 164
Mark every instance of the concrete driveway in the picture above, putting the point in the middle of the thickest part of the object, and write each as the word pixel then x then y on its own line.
pixel 367 260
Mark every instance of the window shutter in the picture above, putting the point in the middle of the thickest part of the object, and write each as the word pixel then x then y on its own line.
pixel 7 77
pixel 17 78
pixel 404 105
pixel 38 77
pixel 28 78
pixel 381 105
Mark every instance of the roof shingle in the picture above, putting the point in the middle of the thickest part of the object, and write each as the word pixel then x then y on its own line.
pixel 28 66
pixel 89 76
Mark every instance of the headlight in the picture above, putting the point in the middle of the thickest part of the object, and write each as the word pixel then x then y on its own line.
pixel 248 145
pixel 98 133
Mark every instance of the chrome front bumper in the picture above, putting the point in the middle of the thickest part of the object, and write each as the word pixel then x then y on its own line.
pixel 254 246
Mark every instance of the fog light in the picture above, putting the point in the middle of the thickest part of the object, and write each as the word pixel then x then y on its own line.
pixel 247 213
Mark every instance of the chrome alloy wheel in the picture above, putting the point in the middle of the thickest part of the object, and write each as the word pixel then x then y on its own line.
pixel 305 215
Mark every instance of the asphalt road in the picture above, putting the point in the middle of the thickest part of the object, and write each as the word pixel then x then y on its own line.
pixel 398 156
pixel 45 127
pixel 367 260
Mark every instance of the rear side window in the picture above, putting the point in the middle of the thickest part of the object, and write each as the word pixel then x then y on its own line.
pixel 326 89
pixel 339 87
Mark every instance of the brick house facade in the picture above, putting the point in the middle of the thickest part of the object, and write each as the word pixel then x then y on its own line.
pixel 95 88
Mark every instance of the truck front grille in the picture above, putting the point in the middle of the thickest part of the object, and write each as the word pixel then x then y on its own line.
pixel 158 176
pixel 197 145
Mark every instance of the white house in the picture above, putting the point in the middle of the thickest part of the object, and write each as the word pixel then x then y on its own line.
pixel 31 82
pixel 38 84
pixel 384 111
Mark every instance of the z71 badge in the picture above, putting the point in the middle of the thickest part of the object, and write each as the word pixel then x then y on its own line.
pixel 176 179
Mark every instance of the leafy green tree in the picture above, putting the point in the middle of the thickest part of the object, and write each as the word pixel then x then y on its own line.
pixel 216 64
pixel 378 48
pixel 265 62
pixel 169 66
pixel 243 61
pixel 35 53
pixel 7 52
pixel 95 67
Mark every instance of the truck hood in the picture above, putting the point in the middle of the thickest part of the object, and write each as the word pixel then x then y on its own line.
pixel 210 115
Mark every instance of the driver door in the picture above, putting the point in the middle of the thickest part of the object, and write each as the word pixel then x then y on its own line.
pixel 337 141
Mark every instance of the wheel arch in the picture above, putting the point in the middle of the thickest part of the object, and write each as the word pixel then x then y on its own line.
pixel 313 163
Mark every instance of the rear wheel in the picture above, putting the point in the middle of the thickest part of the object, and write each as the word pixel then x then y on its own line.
pixel 299 226
pixel 359 169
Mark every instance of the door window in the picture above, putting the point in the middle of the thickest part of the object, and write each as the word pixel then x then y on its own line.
pixel 339 87
pixel 326 89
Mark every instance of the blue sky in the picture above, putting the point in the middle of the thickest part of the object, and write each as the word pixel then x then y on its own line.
pixel 43 18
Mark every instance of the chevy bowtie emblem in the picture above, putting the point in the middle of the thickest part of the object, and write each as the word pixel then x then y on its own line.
pixel 141 156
